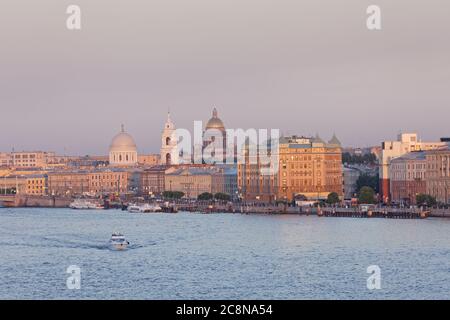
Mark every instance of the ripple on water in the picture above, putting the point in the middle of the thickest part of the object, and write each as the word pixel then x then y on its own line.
pixel 220 256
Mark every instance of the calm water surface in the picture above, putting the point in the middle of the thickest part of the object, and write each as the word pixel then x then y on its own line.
pixel 220 256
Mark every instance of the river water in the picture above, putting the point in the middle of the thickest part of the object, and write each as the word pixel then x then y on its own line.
pixel 220 256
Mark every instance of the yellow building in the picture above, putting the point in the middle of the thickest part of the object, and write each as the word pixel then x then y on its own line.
pixel 313 169
pixel 5 172
pixel 68 183
pixel 36 185
pixel 307 167
pixel 193 181
pixel 113 180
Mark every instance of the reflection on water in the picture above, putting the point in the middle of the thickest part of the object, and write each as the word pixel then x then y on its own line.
pixel 220 256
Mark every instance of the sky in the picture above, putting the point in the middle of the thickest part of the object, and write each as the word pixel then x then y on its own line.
pixel 302 66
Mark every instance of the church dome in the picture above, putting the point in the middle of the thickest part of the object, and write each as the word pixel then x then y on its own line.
pixel 215 122
pixel 123 142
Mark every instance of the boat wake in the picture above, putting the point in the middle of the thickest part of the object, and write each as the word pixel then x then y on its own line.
pixel 47 242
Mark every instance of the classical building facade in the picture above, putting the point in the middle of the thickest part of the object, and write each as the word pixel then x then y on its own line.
pixel 37 185
pixel 406 142
pixel 153 180
pixel 68 183
pixel 193 180
pixel 31 159
pixel 123 150
pixel 169 148
pixel 307 166
pixel 313 169
pixel 438 175
pixel 252 184
pixel 407 177
pixel 114 181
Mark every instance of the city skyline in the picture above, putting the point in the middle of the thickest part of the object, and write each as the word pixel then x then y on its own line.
pixel 155 149
pixel 300 67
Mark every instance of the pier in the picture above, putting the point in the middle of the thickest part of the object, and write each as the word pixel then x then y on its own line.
pixel 386 213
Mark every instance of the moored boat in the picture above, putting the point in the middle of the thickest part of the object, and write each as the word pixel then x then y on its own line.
pixel 134 208
pixel 85 204
pixel 144 208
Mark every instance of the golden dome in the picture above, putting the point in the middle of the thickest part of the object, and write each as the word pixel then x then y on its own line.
pixel 215 122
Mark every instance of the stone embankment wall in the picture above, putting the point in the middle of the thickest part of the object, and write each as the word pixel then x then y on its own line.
pixel 38 201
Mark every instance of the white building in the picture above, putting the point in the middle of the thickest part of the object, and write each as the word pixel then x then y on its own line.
pixel 169 149
pixel 123 150
pixel 406 142
pixel 6 159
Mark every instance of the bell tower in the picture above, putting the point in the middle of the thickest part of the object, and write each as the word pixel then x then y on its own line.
pixel 169 150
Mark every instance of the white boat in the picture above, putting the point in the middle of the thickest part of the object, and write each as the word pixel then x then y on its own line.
pixel 118 241
pixel 145 208
pixel 134 208
pixel 85 204
pixel 150 208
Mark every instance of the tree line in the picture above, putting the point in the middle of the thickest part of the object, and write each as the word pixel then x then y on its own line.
pixel 175 195
pixel 368 158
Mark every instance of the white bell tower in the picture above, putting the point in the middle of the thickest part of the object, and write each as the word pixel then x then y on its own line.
pixel 169 150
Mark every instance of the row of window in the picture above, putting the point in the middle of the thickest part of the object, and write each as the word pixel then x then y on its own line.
pixel 36 181
pixel 106 177
pixel 126 157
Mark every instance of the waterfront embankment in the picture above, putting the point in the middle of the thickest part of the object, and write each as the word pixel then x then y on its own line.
pixel 34 201
pixel 247 208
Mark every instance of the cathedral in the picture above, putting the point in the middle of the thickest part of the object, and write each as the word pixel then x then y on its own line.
pixel 213 126
pixel 123 150
pixel 170 154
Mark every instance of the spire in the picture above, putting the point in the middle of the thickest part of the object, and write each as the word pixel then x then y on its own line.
pixel 169 124
pixel 122 128
pixel 214 113
pixel 334 140
pixel 317 139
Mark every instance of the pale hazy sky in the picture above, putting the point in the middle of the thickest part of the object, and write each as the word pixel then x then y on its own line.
pixel 303 66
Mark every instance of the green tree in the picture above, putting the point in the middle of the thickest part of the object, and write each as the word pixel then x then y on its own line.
pixel 222 196
pixel 333 198
pixel 205 196
pixel 366 195
pixel 368 158
pixel 173 194
pixel 426 200
pixel 300 197
pixel 367 180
